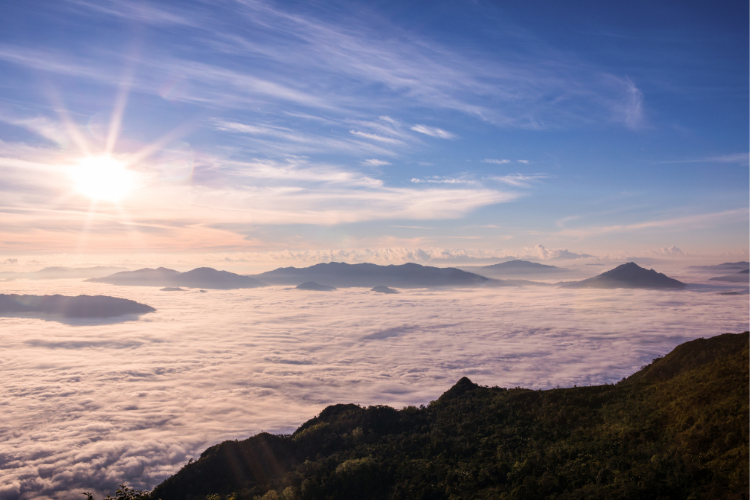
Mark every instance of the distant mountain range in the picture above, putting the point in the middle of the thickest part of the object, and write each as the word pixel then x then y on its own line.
pixel 740 277
pixel 202 277
pixel 517 269
pixel 82 306
pixel 726 267
pixel 675 429
pixel 77 272
pixel 340 274
pixel 629 275
pixel 65 273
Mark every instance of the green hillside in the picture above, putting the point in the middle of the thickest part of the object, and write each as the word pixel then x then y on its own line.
pixel 678 429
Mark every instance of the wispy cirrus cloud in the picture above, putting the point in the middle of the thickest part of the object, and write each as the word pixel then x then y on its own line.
pixel 375 137
pixel 442 180
pixel 513 91
pixel 433 132
pixel 495 161
pixel 738 158
pixel 284 140
pixel 373 162
pixel 519 180
pixel 674 223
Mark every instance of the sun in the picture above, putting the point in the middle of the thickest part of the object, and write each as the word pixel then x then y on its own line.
pixel 102 178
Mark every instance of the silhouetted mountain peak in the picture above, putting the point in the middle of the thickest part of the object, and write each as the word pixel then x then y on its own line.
pixel 629 275
pixel 461 387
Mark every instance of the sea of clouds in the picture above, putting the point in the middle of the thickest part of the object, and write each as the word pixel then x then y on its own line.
pixel 88 405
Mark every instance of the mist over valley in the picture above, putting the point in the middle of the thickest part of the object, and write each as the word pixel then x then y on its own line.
pixel 133 401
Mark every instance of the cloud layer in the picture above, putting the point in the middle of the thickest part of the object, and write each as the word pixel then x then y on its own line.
pixel 88 406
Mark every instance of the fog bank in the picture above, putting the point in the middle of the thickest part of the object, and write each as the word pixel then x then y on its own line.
pixel 89 405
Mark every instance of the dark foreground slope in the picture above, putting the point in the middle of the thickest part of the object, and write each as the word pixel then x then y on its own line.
pixel 677 429
pixel 629 275
pixel 82 306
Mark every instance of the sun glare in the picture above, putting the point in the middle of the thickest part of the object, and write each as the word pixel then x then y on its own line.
pixel 102 178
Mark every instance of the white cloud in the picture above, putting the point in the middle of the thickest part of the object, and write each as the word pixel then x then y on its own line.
pixel 541 252
pixel 375 163
pixel 283 205
pixel 163 212
pixel 519 180
pixel 498 162
pixel 630 107
pixel 442 180
pixel 282 140
pixel 375 137
pixel 160 390
pixel 672 251
pixel 433 131
pixel 739 158
pixel 523 161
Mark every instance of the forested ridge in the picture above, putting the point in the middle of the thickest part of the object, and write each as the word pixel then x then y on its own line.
pixel 677 429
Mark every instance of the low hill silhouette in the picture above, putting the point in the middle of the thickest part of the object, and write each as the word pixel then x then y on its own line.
pixel 726 267
pixel 739 277
pixel 82 306
pixel 202 277
pixel 629 275
pixel 676 429
pixel 315 287
pixel 341 274
pixel 517 269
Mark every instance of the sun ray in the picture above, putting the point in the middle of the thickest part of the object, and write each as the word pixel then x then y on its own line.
pixel 84 233
pixel 70 127
pixel 171 136
pixel 115 123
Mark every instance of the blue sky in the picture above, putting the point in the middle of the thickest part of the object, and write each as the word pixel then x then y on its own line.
pixel 500 128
